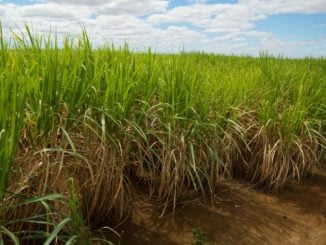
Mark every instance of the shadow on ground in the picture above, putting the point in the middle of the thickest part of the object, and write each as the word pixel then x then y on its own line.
pixel 240 215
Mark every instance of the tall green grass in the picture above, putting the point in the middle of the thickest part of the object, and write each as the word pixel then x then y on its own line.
pixel 99 125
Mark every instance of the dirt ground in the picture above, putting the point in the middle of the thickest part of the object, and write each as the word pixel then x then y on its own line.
pixel 240 215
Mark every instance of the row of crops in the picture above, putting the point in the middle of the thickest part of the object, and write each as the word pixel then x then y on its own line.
pixel 84 129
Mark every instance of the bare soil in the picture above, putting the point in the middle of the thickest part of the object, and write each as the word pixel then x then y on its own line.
pixel 240 215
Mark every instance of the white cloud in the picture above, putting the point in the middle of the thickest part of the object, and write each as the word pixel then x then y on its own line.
pixel 53 11
pixel 222 28
pixel 77 2
pixel 136 8
pixel 272 7
pixel 116 7
pixel 212 17
pixel 235 17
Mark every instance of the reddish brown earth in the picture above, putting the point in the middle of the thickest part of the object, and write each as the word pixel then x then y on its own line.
pixel 240 215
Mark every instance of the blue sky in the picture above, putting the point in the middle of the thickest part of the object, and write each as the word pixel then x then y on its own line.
pixel 293 28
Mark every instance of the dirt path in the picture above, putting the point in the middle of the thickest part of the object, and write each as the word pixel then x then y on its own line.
pixel 296 215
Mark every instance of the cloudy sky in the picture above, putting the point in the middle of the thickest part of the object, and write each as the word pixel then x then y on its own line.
pixel 293 28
